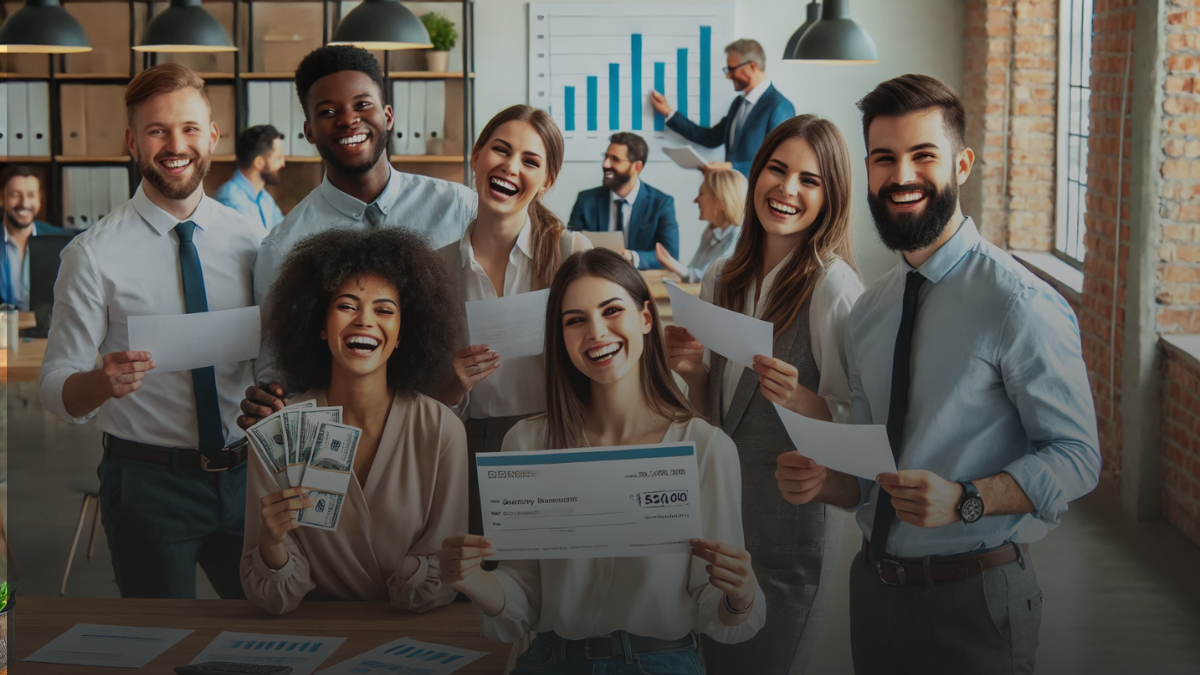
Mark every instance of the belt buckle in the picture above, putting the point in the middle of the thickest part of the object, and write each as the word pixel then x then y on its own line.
pixel 900 577
pixel 226 456
pixel 612 648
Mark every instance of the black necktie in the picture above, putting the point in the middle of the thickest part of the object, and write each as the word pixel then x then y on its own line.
pixel 885 513
pixel 620 214
pixel 204 380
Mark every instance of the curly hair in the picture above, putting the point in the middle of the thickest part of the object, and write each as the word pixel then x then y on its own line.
pixel 332 59
pixel 296 308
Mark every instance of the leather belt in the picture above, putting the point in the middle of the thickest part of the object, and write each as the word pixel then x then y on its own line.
pixel 927 570
pixel 611 645
pixel 191 459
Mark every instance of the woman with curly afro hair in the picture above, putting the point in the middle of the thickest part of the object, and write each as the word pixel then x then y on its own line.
pixel 358 320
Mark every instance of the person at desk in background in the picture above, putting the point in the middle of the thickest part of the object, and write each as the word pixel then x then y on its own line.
pixel 721 200
pixel 173 481
pixel 975 366
pixel 792 267
pixel 515 246
pixel 259 159
pixel 608 385
pixel 753 115
pixel 624 203
pixel 22 201
pixel 359 320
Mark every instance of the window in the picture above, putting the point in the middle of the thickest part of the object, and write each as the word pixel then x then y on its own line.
pixel 1074 93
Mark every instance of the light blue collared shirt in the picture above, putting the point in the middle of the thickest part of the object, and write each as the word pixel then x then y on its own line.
pixel 998 384
pixel 18 270
pixel 238 194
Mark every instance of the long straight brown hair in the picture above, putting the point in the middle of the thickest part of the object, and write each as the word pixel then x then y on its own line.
pixel 568 391
pixel 827 239
pixel 547 230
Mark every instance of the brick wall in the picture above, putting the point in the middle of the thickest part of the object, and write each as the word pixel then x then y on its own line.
pixel 1181 444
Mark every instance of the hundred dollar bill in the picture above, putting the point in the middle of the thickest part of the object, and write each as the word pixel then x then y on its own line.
pixel 324 512
pixel 271 442
pixel 291 432
pixel 335 447
pixel 309 419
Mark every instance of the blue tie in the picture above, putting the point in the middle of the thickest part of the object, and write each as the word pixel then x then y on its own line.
pixel 204 380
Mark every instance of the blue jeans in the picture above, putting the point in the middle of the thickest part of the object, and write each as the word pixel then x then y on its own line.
pixel 549 655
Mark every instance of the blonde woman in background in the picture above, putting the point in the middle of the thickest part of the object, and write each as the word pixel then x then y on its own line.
pixel 721 200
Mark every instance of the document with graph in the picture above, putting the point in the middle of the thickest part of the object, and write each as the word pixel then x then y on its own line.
pixel 304 653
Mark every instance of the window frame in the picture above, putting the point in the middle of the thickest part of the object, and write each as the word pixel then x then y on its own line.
pixel 1067 53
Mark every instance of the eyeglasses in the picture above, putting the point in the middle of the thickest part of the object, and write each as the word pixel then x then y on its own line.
pixel 727 70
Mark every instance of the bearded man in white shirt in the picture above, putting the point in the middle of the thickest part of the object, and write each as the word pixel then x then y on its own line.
pixel 172 489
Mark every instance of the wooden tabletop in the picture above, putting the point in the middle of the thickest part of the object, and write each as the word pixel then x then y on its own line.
pixel 655 279
pixel 28 364
pixel 365 625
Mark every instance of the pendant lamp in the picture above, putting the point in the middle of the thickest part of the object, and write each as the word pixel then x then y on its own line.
pixel 836 38
pixel 814 15
pixel 381 24
pixel 42 27
pixel 185 26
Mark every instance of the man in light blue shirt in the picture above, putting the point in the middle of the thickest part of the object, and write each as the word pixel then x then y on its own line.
pixel 22 200
pixel 975 367
pixel 259 159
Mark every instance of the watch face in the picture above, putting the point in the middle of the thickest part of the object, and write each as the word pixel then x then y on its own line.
pixel 972 509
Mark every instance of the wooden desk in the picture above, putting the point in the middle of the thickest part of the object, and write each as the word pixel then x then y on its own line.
pixel 658 290
pixel 28 364
pixel 365 625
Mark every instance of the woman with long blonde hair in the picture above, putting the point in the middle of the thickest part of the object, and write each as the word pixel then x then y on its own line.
pixel 792 267
pixel 722 200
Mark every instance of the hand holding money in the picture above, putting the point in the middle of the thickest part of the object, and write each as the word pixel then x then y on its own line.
pixel 279 516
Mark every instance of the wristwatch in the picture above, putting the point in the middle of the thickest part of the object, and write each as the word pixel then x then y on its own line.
pixel 970 507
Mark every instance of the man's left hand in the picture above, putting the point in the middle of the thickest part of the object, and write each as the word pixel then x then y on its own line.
pixel 922 498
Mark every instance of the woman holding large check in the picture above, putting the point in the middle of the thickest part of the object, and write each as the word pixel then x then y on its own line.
pixel 357 320
pixel 608 384
pixel 514 246
pixel 792 268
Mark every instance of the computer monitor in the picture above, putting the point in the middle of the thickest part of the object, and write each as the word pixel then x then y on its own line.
pixel 44 253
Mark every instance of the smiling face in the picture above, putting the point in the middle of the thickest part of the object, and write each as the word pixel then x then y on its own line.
pixel 510 169
pixel 362 325
pixel 348 121
pixel 710 207
pixel 22 200
pixel 790 191
pixel 603 329
pixel 740 74
pixel 618 170
pixel 172 137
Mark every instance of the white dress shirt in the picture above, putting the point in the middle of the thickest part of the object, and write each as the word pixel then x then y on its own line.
pixel 834 296
pixel 128 265
pixel 749 99
pixel 626 212
pixel 518 387
pixel 662 596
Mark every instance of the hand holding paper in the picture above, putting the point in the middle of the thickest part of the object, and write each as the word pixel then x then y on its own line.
pixel 190 341
pixel 733 335
pixel 513 326
pixel 856 449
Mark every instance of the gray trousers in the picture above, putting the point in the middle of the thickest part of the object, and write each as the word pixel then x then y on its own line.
pixel 984 625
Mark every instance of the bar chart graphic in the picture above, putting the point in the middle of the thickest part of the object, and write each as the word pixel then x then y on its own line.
pixel 593 67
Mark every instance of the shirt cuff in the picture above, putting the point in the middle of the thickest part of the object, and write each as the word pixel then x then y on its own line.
pixel 637 260
pixel 1041 486
pixel 460 408
pixel 864 494
pixel 51 394
pixel 668 117
pixel 508 625
pixel 268 574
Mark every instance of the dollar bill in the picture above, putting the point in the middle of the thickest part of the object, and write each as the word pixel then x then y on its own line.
pixel 309 420
pixel 324 512
pixel 270 437
pixel 291 431
pixel 335 447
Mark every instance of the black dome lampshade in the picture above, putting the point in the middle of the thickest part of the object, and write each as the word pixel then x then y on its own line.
pixel 42 27
pixel 814 15
pixel 836 38
pixel 185 26
pixel 381 24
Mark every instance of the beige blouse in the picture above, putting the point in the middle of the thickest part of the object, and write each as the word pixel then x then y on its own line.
pixel 415 496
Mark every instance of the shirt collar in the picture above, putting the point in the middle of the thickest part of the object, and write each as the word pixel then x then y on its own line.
pixel 720 235
pixel 945 258
pixel 756 93
pixel 632 196
pixel 164 222
pixel 239 179
pixel 524 238
pixel 352 207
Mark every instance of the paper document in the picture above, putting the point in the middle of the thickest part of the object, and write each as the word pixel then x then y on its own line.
pixel 512 326
pixel 303 653
pixel 88 644
pixel 190 341
pixel 686 157
pixel 613 241
pixel 731 334
pixel 624 501
pixel 860 450
pixel 406 656
pixel 328 474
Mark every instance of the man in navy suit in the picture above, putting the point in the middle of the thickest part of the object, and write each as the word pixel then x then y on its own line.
pixel 22 200
pixel 751 117
pixel 626 204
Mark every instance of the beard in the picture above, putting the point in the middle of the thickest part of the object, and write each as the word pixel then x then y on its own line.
pixel 269 178
pixel 617 180
pixel 173 187
pixel 378 147
pixel 913 231
pixel 10 219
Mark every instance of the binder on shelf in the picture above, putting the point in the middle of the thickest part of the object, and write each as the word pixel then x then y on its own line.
pixel 118 187
pixel 4 119
pixel 98 186
pixel 400 126
pixel 106 123
pixel 72 100
pixel 77 203
pixel 435 114
pixel 39 119
pixel 416 118
pixel 281 111
pixel 18 119
pixel 258 98
pixel 300 147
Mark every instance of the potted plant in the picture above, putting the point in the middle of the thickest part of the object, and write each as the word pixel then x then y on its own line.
pixel 443 36
pixel 6 625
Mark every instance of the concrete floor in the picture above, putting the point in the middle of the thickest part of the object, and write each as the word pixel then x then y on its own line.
pixel 1119 597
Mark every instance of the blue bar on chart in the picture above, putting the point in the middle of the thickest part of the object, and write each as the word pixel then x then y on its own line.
pixel 681 80
pixel 660 85
pixel 593 86
pixel 569 108
pixel 705 74
pixel 635 80
pixel 614 96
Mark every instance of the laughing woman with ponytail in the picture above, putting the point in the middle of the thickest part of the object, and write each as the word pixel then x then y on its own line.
pixel 515 245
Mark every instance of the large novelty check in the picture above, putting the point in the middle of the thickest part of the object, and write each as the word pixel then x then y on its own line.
pixel 591 503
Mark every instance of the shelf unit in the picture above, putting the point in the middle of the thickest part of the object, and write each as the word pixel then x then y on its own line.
pixel 56 76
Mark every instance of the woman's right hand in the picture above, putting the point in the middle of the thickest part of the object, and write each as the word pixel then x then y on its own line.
pixel 669 262
pixel 280 512
pixel 461 557
pixel 473 364
pixel 685 354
